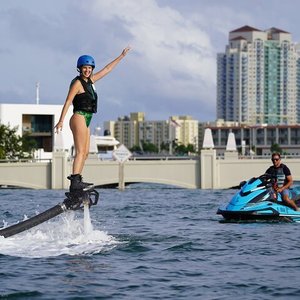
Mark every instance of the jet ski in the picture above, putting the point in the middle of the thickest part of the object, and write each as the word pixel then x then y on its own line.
pixel 257 200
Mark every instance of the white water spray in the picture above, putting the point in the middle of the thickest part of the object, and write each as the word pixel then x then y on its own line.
pixel 87 224
pixel 68 234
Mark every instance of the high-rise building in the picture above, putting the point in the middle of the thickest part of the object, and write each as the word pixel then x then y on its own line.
pixel 257 77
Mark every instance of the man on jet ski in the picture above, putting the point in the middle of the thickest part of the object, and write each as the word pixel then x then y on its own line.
pixel 284 179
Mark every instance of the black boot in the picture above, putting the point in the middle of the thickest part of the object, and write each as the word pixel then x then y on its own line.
pixel 77 184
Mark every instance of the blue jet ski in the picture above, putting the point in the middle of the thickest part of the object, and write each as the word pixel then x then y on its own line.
pixel 258 201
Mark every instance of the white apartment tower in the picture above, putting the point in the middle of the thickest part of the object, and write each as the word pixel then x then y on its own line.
pixel 257 77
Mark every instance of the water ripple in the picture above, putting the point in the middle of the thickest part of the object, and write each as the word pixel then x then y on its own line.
pixel 146 244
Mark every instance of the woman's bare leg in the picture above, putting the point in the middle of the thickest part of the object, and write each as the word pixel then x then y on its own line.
pixel 87 146
pixel 81 138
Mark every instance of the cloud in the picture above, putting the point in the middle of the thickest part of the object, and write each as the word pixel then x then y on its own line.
pixel 171 69
pixel 171 50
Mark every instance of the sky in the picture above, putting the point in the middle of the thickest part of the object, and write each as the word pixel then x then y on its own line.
pixel 171 69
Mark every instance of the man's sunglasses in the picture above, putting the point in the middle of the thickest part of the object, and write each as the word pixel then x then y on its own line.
pixel 275 159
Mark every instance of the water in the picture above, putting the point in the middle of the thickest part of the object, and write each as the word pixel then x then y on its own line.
pixel 145 243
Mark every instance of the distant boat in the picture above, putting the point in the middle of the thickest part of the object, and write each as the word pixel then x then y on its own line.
pixel 103 146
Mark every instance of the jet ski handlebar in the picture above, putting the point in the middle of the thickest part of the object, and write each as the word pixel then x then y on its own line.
pixel 269 180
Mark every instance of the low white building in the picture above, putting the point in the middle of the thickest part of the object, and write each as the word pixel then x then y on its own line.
pixel 38 120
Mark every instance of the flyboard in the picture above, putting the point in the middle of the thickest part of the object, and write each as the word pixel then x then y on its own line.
pixel 73 201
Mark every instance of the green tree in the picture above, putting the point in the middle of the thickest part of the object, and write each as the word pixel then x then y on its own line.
pixel 28 145
pixel 276 148
pixel 190 148
pixel 182 149
pixel 149 147
pixel 136 148
pixel 164 146
pixel 12 146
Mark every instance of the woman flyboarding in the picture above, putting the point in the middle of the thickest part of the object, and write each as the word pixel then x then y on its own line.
pixel 83 95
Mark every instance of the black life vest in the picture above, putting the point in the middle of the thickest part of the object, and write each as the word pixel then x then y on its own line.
pixel 86 101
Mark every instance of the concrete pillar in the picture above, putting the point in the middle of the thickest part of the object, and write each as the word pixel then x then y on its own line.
pixel 59 170
pixel 208 169
pixel 121 177
pixel 233 155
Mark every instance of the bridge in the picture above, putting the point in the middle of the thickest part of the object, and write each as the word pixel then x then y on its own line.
pixel 205 171
pixel 52 174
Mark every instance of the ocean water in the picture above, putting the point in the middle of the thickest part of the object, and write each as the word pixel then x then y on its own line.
pixel 147 242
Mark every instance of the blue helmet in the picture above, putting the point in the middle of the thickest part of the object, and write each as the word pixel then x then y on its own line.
pixel 85 60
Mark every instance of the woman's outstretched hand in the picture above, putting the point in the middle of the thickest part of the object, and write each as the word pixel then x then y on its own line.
pixel 126 50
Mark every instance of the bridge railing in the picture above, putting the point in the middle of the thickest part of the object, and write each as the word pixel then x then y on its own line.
pixel 283 157
pixel 164 157
pixel 25 160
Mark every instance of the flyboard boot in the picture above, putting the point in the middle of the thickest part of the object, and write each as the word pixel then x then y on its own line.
pixel 74 201
pixel 80 193
pixel 78 185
